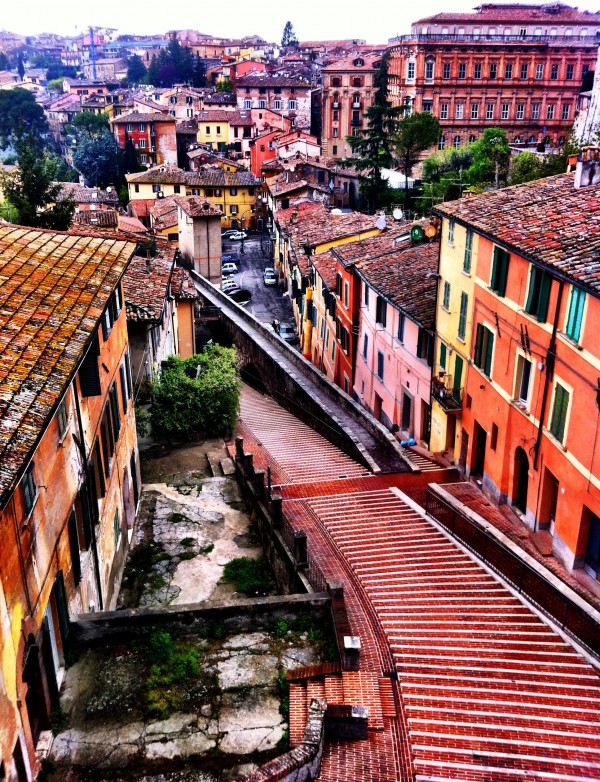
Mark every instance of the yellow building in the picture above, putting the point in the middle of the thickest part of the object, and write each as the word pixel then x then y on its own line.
pixel 233 193
pixel 458 255
pixel 214 129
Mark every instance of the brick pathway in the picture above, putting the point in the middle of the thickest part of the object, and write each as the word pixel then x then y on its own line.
pixel 486 690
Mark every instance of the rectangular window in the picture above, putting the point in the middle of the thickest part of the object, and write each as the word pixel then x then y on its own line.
pixel 520 110
pixel 381 311
pixel 570 72
pixel 524 69
pixel 462 70
pixel 401 322
pixel 428 106
pixel 523 380
pixel 474 110
pixel 74 547
pixel 539 71
pixel 462 318
pixel 129 127
pixel 575 314
pixel 142 143
pixel 366 295
pixel 114 409
pixel 262 104
pixel 446 298
pixel 493 70
pixel 248 104
pixel 550 112
pixel 89 374
pixel 443 111
pixel 233 209
pixel 499 271
pixel 446 70
pixel 429 70
pixel 554 72
pixel 277 104
pixel 292 104
pixel 142 127
pixel 535 111
pixel 442 355
pixel 29 490
pixel 380 364
pixel 468 251
pixel 508 70
pixel 425 343
pixel 558 419
pixel 410 74
pixel 504 111
pixel 477 71
pixel 346 293
pixel 459 110
pixel 484 348
pixel 62 418
pixel 451 231
pixel 365 346
pixel 540 283
pixel 494 437
pixel 565 111
pixel 489 111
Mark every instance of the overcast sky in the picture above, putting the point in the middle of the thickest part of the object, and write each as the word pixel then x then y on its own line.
pixel 312 19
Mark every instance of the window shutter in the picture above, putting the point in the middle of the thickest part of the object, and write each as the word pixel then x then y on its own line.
pixel 124 395
pixel 458 368
pixel 114 407
pixel 430 345
pixel 420 344
pixel 443 355
pixel 545 285
pixel 559 412
pixel 383 313
pixel 504 256
pixel 575 314
pixel 532 286
pixel 89 374
pixel 488 353
pixel 478 346
pixel 74 548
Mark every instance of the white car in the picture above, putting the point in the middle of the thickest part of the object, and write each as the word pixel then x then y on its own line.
pixel 234 235
pixel 229 268
pixel 229 284
pixel 270 277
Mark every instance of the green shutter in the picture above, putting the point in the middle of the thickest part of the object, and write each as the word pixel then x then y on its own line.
pixel 559 412
pixel 478 346
pixel 504 256
pixel 489 349
pixel 494 278
pixel 575 318
pixel 443 355
pixel 462 320
pixel 545 285
pixel 468 251
pixel 532 295
pixel 458 368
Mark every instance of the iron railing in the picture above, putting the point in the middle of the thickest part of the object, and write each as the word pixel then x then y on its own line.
pixel 537 589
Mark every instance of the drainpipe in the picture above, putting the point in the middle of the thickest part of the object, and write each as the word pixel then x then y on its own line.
pixel 307 350
pixel 550 357
pixel 88 498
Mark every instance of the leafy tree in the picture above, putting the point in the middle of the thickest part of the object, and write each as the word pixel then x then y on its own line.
pixel 152 74
pixel 86 123
pixel 444 176
pixel 491 156
pixel 372 146
pixel 97 158
pixel 59 71
pixel 199 74
pixel 20 66
pixel 414 133
pixel 224 85
pixel 136 70
pixel 525 167
pixel 33 191
pixel 19 113
pixel 197 395
pixel 4 62
pixel 56 85
pixel 289 36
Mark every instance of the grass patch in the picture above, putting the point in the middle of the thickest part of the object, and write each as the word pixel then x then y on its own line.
pixel 187 555
pixel 249 576
pixel 187 542
pixel 156 582
pixel 207 549
pixel 172 665
pixel 284 695
pixel 176 518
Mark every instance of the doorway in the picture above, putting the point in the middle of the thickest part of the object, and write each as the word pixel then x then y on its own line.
pixel 426 422
pixel 377 407
pixel 406 411
pixel 520 480
pixel 450 432
pixel 549 502
pixel 480 436
pixel 35 698
pixel 464 450
pixel 592 550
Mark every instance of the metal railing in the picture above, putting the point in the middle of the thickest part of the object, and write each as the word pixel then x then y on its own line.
pixel 450 399
pixel 537 589
pixel 484 38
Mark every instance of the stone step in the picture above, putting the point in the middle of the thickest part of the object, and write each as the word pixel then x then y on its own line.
pixel 227 466
pixel 214 463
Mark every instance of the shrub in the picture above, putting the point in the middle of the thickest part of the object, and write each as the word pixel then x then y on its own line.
pixel 249 576
pixel 171 665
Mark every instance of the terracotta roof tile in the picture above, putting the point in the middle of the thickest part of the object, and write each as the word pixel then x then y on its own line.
pixel 313 222
pixel 139 116
pixel 213 176
pixel 197 207
pixel 88 195
pixel 146 285
pixel 548 221
pixel 53 290
pixel 104 218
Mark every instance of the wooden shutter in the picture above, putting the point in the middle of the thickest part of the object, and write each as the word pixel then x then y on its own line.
pixel 575 318
pixel 124 394
pixel 458 368
pixel 559 412
pixel 532 295
pixel 489 349
pixel 114 408
pixel 442 355
pixel 74 548
pixel 545 285
pixel 478 346
pixel 89 374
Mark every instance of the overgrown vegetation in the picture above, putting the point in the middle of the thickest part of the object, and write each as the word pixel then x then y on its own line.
pixel 249 576
pixel 197 395
pixel 172 664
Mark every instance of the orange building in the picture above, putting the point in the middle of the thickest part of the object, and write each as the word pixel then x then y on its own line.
pixel 530 408
pixel 69 477
pixel 514 66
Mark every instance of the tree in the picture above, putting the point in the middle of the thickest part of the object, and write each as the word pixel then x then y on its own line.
pixel 58 71
pixel 97 158
pixel 86 123
pixel 55 85
pixel 372 145
pixel 491 155
pixel 152 73
pixel 33 192
pixel 525 167
pixel 19 113
pixel 224 85
pixel 197 395
pixel 199 75
pixel 136 70
pixel 289 36
pixel 20 66
pixel 4 62
pixel 444 176
pixel 414 133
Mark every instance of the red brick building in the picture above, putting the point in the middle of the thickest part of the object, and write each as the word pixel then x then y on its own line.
pixel 288 96
pixel 69 475
pixel 153 135
pixel 513 66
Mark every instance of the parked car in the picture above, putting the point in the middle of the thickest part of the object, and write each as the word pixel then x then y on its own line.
pixel 240 295
pixel 237 235
pixel 233 257
pixel 270 277
pixel 287 332
pixel 229 268
pixel 228 232
pixel 229 284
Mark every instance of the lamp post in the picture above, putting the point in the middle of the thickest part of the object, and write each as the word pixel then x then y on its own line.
pixel 243 217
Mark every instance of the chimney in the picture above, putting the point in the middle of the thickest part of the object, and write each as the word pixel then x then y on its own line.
pixel 587 171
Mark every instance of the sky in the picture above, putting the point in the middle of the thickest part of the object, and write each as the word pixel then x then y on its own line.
pixel 375 22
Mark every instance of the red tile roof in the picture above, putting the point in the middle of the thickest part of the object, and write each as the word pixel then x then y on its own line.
pixel 552 13
pixel 53 290
pixel 315 224
pixel 197 207
pixel 146 285
pixel 139 116
pixel 548 221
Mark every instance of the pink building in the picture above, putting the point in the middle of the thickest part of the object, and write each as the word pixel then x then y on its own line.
pixel 396 332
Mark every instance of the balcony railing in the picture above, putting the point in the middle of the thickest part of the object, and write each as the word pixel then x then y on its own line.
pixel 449 399
pixel 562 39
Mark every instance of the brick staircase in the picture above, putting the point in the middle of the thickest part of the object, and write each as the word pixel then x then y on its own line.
pixel 347 688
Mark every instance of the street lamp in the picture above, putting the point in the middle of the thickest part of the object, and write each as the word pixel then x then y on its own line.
pixel 243 217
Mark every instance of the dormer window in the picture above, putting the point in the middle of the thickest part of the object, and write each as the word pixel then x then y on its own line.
pixel 359 62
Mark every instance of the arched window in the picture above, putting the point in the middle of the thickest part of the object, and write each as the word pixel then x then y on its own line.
pixel 429 68
pixel 457 141
pixel 336 100
pixel 356 101
pixel 472 139
pixel 442 142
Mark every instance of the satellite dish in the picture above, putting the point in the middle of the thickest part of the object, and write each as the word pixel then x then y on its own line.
pixel 397 214
pixel 430 231
pixel 416 233
pixel 381 223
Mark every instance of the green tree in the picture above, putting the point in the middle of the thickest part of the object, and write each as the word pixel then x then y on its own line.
pixel 525 167
pixel 4 62
pixel 136 70
pixel 20 114
pixel 197 395
pixel 414 133
pixel 372 147
pixel 444 176
pixel 33 191
pixel 97 158
pixel 199 75
pixel 289 36
pixel 56 85
pixel 491 155
pixel 152 74
pixel 86 123
pixel 224 85
pixel 20 66
pixel 58 71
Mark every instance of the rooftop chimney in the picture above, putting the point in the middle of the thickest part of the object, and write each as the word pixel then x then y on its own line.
pixel 587 171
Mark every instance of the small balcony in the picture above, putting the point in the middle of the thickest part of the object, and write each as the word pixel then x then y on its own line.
pixel 356 104
pixel 335 104
pixel 449 399
pixel 356 123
